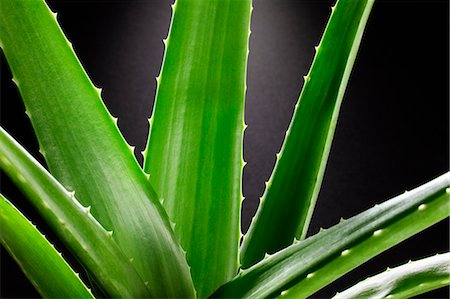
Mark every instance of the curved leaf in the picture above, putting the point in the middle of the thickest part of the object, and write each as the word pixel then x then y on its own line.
pixel 317 261
pixel 406 281
pixel 83 235
pixel 42 264
pixel 194 153
pixel 288 202
pixel 83 147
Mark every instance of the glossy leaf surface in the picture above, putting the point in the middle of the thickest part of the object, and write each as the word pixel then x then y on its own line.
pixel 83 147
pixel 302 269
pixel 406 281
pixel 84 236
pixel 39 260
pixel 288 202
pixel 194 154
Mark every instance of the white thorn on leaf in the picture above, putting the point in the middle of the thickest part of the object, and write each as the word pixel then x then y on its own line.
pixel 422 207
pixel 377 233
pixel 15 81
pixel 345 252
pixel 42 152
pixel 310 275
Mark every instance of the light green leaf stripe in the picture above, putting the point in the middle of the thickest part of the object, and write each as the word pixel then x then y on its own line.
pixel 406 281
pixel 83 147
pixel 289 199
pixel 84 236
pixel 194 153
pixel 39 260
pixel 302 269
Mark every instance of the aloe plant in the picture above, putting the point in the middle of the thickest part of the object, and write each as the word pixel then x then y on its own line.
pixel 171 228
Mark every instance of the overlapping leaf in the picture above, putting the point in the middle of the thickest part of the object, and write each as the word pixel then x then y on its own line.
pixel 37 257
pixel 83 147
pixel 302 269
pixel 194 154
pixel 73 223
pixel 288 202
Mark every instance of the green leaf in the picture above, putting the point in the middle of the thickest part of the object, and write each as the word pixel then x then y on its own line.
pixel 194 153
pixel 82 234
pixel 288 202
pixel 317 261
pixel 406 281
pixel 84 148
pixel 39 260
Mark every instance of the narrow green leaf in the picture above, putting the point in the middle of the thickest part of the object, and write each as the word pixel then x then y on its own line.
pixel 83 147
pixel 194 153
pixel 406 281
pixel 317 261
pixel 39 260
pixel 288 202
pixel 83 235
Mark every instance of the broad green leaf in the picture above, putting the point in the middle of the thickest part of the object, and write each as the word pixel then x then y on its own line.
pixel 84 148
pixel 288 202
pixel 194 153
pixel 405 281
pixel 39 260
pixel 93 246
pixel 318 260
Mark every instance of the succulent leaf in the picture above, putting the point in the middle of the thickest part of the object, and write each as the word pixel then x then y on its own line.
pixel 290 195
pixel 302 269
pixel 194 153
pixel 40 261
pixel 84 148
pixel 405 281
pixel 74 224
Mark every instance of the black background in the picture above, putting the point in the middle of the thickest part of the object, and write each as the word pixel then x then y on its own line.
pixel 392 134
